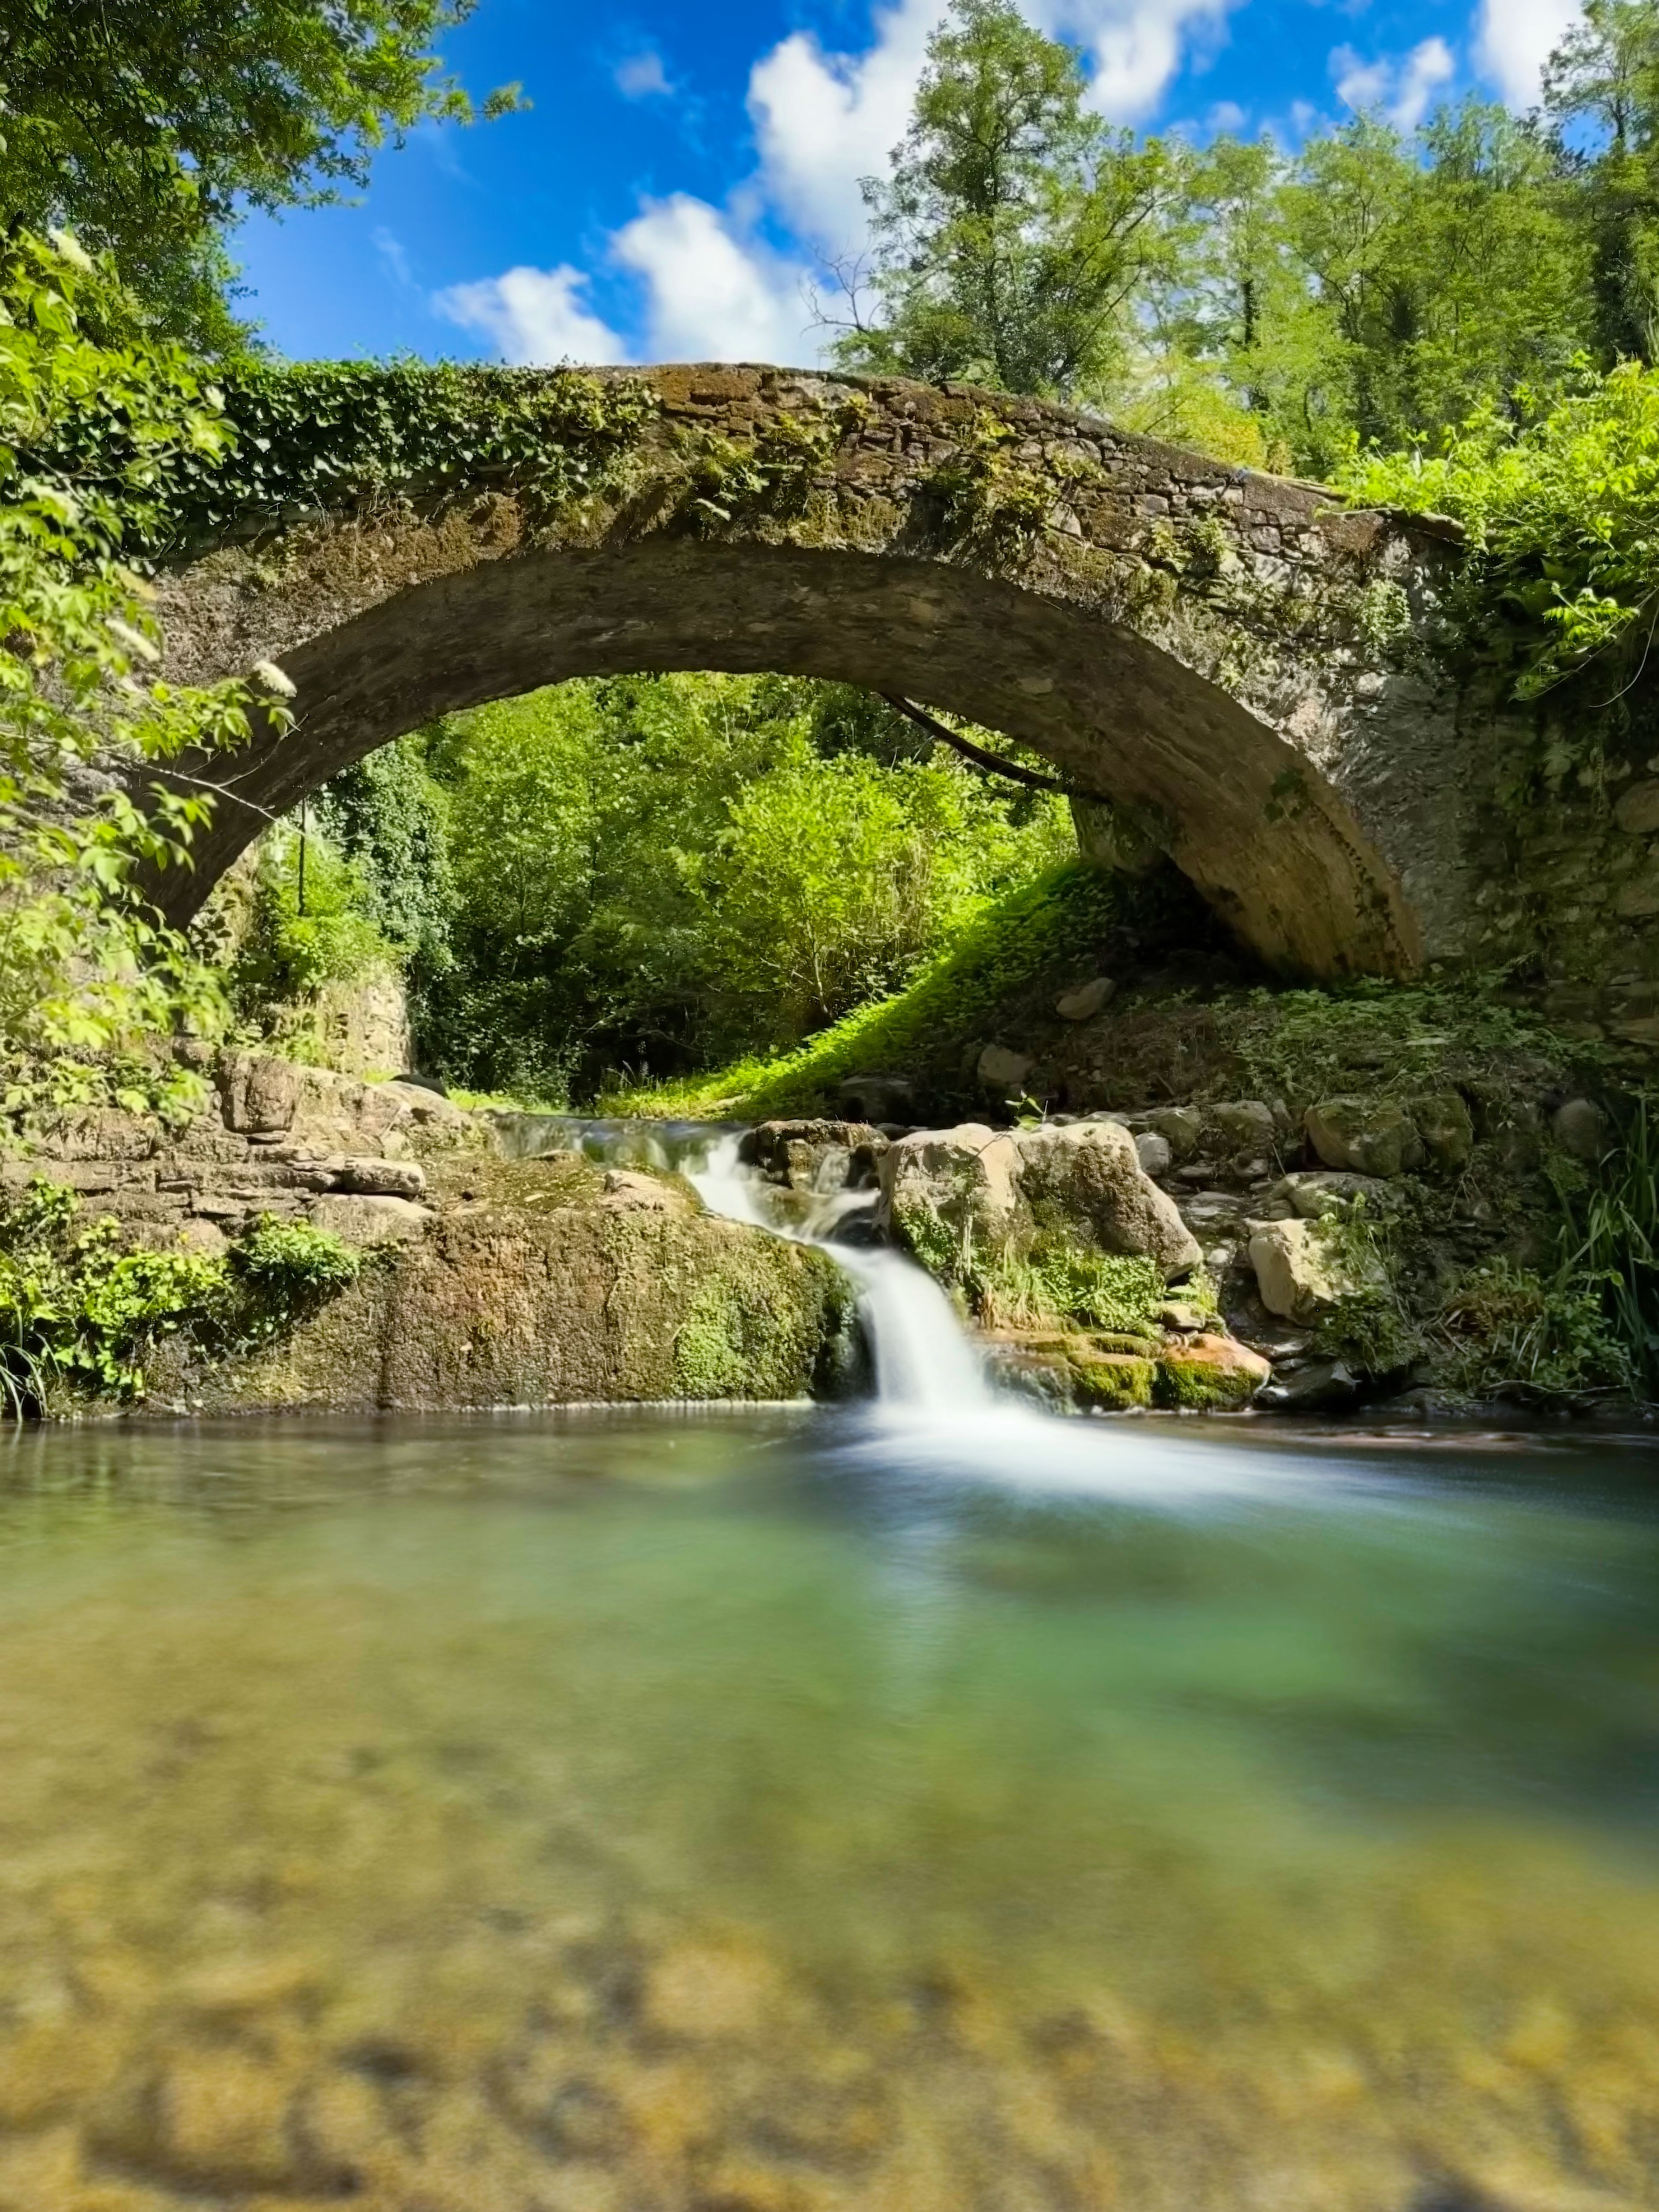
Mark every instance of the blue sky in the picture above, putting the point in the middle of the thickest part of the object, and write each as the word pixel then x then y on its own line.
pixel 684 171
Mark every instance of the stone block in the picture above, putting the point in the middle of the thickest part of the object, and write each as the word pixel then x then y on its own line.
pixel 256 1093
pixel 370 1221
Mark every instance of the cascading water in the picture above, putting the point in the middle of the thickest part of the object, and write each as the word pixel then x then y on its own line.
pixel 923 1361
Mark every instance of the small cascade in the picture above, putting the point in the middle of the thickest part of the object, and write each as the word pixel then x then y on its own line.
pixel 923 1359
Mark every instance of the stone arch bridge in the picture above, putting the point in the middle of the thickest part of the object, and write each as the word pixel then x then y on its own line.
pixel 1246 671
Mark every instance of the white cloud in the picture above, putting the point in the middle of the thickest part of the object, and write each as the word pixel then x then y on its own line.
pixel 1428 66
pixel 1226 115
pixel 534 317
pixel 639 75
pixel 1515 38
pixel 390 247
pixel 712 295
pixel 1360 84
pixel 1404 88
pixel 1136 46
pixel 825 120
pixel 714 290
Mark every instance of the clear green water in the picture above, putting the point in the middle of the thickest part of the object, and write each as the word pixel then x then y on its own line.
pixel 771 1812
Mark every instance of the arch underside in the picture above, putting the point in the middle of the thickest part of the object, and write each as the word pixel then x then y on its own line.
pixel 1300 882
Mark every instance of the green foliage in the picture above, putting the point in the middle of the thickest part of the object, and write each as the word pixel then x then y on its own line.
pixel 1506 1328
pixel 1040 928
pixel 88 983
pixel 771 474
pixel 1058 1284
pixel 388 819
pixel 345 437
pixel 80 1311
pixel 292 950
pixel 785 884
pixel 280 1272
pixel 150 129
pixel 1612 1241
pixel 1563 512
pixel 1379 1036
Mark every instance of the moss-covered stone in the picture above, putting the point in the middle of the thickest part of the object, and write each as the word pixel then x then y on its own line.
pixel 1112 1382
pixel 550 1298
pixel 1210 1374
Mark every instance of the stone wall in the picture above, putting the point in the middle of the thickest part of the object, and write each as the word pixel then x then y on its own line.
pixel 490 1283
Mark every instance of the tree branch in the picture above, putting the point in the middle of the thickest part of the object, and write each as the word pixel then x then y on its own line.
pixel 992 762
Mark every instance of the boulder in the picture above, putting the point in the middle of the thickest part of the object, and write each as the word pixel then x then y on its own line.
pixel 1637 811
pixel 1085 1180
pixel 940 1186
pixel 1210 1374
pixel 877 1098
pixel 1581 1130
pixel 1112 1382
pixel 625 1191
pixel 1244 1129
pixel 257 1093
pixel 1083 1003
pixel 1001 1069
pixel 1299 1274
pixel 1318 1386
pixel 370 1221
pixel 1182 1128
pixel 1153 1152
pixel 1366 1136
pixel 1314 1193
pixel 816 1155
pixel 1447 1132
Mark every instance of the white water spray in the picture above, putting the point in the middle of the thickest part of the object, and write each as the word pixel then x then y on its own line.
pixel 923 1360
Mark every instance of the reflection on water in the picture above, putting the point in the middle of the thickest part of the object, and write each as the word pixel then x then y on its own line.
pixel 775 1813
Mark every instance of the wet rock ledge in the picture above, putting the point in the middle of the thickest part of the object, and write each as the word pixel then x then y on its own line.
pixel 489 1283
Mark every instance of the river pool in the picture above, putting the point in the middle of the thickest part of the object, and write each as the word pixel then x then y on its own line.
pixel 792 1811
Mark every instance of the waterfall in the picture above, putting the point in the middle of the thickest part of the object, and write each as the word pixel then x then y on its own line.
pixel 923 1359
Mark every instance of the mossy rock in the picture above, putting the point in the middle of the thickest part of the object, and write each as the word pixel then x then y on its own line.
pixel 1112 1382
pixel 1208 1384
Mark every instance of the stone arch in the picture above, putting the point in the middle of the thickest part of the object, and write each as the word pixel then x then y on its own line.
pixel 1223 653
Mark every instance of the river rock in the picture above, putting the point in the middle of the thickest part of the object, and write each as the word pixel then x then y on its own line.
pixel 1317 1386
pixel 1311 1194
pixel 1002 1069
pixel 1243 1129
pixel 626 1192
pixel 1298 1273
pixel 1086 1181
pixel 941 1187
pixel 1182 1128
pixel 1444 1123
pixel 877 1098
pixel 1153 1152
pixel 1210 1374
pixel 1083 1003
pixel 1581 1130
pixel 1366 1136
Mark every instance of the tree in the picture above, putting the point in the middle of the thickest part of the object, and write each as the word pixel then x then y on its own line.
pixel 1015 229
pixel 147 127
pixel 1604 76
pixel 91 986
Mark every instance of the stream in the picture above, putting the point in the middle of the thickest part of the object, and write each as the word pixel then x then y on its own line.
pixel 924 1806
